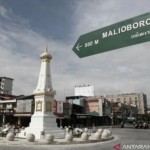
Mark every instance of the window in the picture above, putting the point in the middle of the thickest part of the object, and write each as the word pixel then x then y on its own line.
pixel 112 100
pixel 136 102
pixel 118 100
pixel 1 106
pixel 130 101
pixel 9 106
pixel 124 100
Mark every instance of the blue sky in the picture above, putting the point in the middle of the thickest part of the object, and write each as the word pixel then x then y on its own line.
pixel 45 17
pixel 26 26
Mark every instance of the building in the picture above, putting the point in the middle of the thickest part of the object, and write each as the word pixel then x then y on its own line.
pixel 6 85
pixel 94 105
pixel 16 110
pixel 86 111
pixel 138 100
pixel 24 109
pixel 7 111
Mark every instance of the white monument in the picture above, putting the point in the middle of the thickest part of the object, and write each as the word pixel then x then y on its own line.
pixel 43 120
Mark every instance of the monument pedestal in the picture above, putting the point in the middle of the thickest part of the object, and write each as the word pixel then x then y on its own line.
pixel 42 124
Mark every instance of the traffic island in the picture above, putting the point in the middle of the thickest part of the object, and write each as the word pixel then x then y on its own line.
pixel 22 142
pixel 101 135
pixel 19 141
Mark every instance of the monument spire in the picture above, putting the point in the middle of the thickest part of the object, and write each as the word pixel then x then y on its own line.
pixel 46 48
pixel 44 81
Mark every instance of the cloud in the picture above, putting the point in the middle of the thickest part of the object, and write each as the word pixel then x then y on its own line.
pixel 118 71
pixel 3 12
pixel 20 51
pixel 89 16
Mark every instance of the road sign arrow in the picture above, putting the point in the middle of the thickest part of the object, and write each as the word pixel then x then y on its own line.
pixel 125 33
pixel 78 46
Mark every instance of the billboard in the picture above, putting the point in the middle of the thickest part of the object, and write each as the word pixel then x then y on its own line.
pixel 61 108
pixel 85 90
pixel 24 106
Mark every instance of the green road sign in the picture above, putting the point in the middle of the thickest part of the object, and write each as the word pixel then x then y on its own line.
pixel 129 32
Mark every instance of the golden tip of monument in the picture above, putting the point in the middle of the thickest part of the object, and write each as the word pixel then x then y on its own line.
pixel 46 48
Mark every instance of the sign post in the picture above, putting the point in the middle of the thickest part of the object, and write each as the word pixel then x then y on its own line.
pixel 129 32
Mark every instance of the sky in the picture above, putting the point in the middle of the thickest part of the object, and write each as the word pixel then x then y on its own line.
pixel 26 27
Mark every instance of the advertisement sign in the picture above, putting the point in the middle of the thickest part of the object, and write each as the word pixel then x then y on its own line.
pixel 129 32
pixel 55 106
pixel 24 106
pixel 59 107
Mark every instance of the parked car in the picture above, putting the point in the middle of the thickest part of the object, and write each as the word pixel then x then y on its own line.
pixel 145 125
pixel 141 125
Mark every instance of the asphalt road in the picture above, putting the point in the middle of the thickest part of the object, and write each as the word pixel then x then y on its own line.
pixel 123 136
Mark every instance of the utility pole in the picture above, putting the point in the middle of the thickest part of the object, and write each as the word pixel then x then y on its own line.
pixel 112 114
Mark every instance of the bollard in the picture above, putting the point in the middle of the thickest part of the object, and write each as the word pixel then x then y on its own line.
pixel 68 136
pixel 10 136
pixel 105 134
pixel 49 138
pixel 98 134
pixel 30 137
pixel 85 135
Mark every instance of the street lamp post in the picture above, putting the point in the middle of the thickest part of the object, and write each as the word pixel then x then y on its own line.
pixel 4 113
pixel 112 114
pixel 4 117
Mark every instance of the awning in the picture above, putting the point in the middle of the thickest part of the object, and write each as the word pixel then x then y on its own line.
pixel 82 115
pixel 94 113
pixel 22 115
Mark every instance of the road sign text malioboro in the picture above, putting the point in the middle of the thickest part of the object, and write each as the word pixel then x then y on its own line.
pixel 129 32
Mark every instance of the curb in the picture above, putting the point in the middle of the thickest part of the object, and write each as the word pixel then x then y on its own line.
pixel 56 142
